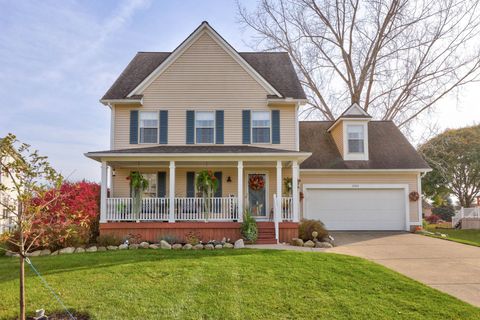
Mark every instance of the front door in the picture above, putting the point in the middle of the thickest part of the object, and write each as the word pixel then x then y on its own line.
pixel 257 194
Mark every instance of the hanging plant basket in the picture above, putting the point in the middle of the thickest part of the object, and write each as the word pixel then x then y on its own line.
pixel 256 182
pixel 414 196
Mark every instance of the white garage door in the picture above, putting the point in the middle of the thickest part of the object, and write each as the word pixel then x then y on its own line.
pixel 357 209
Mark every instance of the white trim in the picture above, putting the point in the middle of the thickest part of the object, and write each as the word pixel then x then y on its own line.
pixel 295 195
pixel 419 204
pixel 286 101
pixel 267 192
pixel 202 29
pixel 363 186
pixel 171 192
pixel 112 126
pixel 356 107
pixel 121 101
pixel 103 192
pixel 297 129
pixel 365 170
pixel 240 190
pixel 355 155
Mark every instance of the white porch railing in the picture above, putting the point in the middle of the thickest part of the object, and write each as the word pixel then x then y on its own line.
pixel 196 209
pixel 287 208
pixel 186 209
pixel 465 213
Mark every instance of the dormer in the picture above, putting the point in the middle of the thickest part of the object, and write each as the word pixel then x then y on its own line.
pixel 350 133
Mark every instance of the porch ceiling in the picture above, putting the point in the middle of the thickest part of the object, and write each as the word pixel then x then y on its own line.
pixel 189 164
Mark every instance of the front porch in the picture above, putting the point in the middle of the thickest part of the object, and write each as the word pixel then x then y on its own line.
pixel 172 206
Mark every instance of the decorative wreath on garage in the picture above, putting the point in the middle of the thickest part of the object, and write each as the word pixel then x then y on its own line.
pixel 256 182
pixel 414 196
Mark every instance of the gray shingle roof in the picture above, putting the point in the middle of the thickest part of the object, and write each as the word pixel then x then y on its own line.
pixel 388 148
pixel 275 67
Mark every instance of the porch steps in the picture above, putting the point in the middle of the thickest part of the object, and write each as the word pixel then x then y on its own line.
pixel 266 233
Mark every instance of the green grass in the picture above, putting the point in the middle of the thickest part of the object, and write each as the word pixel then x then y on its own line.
pixel 226 284
pixel 471 237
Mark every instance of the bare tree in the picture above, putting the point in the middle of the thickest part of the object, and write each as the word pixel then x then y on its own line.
pixel 395 58
pixel 30 177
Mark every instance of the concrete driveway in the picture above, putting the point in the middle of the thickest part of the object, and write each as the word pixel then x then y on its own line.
pixel 448 266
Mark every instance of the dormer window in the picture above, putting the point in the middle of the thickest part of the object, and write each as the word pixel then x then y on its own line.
pixel 148 127
pixel 356 138
pixel 205 126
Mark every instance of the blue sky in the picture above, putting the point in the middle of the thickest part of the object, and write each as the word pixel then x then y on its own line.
pixel 58 58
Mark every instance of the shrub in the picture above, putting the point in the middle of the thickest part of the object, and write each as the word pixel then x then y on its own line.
pixel 432 219
pixel 444 212
pixel 106 240
pixel 249 228
pixel 133 238
pixel 306 227
pixel 192 238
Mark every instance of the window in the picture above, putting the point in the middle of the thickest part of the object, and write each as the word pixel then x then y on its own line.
pixel 148 127
pixel 151 191
pixel 205 126
pixel 355 136
pixel 261 127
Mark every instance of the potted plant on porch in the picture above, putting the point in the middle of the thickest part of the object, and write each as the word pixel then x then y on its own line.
pixel 207 185
pixel 138 184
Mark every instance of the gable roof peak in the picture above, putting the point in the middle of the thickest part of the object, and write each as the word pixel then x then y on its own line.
pixel 355 111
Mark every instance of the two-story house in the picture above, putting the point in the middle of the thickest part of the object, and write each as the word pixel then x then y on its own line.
pixel 207 106
pixel 7 198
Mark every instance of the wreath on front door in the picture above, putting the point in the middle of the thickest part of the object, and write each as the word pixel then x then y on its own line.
pixel 256 182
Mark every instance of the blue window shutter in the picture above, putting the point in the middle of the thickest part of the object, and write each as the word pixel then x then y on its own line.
pixel 163 132
pixel 133 126
pixel 276 126
pixel 161 184
pixel 246 126
pixel 218 175
pixel 190 127
pixel 219 127
pixel 190 184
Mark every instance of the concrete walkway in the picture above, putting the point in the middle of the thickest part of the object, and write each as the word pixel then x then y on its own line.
pixel 448 266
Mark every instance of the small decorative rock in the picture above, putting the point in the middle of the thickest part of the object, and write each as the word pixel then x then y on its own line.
pixel 133 246
pixel 328 239
pixel 79 250
pixel 123 246
pixel 33 254
pixel 165 245
pixel 224 240
pixel 228 245
pixel 218 246
pixel 239 244
pixel 153 246
pixel 92 249
pixel 45 252
pixel 188 246
pixel 177 246
pixel 113 248
pixel 325 245
pixel 297 242
pixel 101 249
pixel 55 253
pixel 309 244
pixel 209 246
pixel 198 247
pixel 144 245
pixel 67 250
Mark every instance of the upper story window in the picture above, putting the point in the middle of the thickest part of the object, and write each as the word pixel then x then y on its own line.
pixel 356 138
pixel 205 126
pixel 148 127
pixel 261 127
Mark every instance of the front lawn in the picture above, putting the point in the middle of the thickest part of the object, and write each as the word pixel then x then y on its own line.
pixel 226 284
pixel 471 237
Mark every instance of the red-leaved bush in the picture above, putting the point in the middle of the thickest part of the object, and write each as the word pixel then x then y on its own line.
pixel 70 217
pixel 432 219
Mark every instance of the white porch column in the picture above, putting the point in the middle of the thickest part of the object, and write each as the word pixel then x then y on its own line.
pixel 240 190
pixel 103 193
pixel 295 198
pixel 278 206
pixel 171 192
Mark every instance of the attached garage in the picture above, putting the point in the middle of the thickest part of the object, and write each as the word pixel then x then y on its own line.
pixel 358 207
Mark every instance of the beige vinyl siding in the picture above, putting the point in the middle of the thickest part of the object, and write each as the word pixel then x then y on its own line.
pixel 366 178
pixel 337 135
pixel 204 78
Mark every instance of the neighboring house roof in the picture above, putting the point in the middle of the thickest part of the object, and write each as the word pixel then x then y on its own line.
pixel 388 148
pixel 275 67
